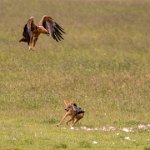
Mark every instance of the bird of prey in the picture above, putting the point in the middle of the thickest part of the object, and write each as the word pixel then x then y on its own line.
pixel 46 26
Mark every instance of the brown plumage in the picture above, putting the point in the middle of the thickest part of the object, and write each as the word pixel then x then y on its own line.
pixel 46 25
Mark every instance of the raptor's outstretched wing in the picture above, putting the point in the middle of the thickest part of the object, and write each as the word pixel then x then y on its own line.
pixel 28 30
pixel 53 28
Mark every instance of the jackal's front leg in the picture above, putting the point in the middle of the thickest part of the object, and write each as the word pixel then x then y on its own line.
pixel 62 119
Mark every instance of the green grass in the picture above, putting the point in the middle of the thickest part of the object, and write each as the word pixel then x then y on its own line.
pixel 103 63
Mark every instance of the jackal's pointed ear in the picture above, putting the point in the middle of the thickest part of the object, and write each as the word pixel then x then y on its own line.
pixel 65 102
pixel 74 102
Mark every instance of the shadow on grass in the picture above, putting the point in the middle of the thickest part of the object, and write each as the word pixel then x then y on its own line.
pixel 61 146
pixel 50 121
pixel 147 148
pixel 85 144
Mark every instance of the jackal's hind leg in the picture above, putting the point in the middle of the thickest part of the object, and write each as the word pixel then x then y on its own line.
pixel 71 119
pixel 74 122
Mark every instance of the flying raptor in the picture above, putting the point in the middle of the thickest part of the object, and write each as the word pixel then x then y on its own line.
pixel 46 26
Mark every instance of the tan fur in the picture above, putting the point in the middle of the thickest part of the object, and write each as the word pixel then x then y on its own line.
pixel 74 118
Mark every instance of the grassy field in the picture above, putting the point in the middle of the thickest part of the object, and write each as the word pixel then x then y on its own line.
pixel 103 64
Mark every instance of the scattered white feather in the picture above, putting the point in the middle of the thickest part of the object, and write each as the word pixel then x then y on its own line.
pixel 72 128
pixel 141 126
pixel 94 142
pixel 117 133
pixel 111 128
pixel 127 138
pixel 144 127
pixel 127 129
